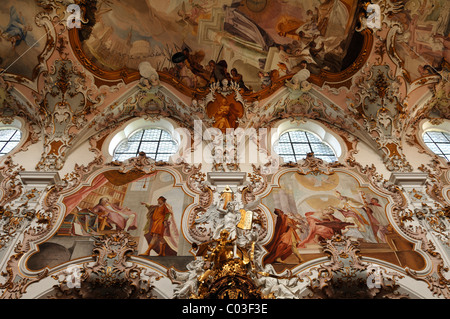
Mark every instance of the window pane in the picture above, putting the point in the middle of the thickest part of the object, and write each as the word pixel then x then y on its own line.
pixel 16 137
pixel 128 147
pixel 284 148
pixel 313 139
pixel 321 149
pixel 434 148
pixel 9 139
pixel 2 146
pixel 167 147
pixel 8 147
pixel 294 146
pixel 438 137
pixel 438 143
pixel 149 147
pixel 427 138
pixel 136 137
pixel 298 136
pixel 445 148
pixel 301 148
pixel 284 138
pixel 151 135
pixel 5 135
pixel 155 143
pixel 165 136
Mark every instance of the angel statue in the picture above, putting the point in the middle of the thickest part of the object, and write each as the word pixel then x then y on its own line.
pixel 214 217
pixel 149 81
pixel 226 196
pixel 298 85
pixel 187 281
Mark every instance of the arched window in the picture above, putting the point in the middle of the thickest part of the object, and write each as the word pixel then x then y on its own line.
pixel 438 142
pixel 155 143
pixel 293 146
pixel 9 139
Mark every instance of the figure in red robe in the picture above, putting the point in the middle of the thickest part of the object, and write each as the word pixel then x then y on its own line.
pixel 285 239
pixel 378 228
pixel 317 231
pixel 161 231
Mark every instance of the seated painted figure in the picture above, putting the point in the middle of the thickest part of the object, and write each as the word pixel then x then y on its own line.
pixel 117 217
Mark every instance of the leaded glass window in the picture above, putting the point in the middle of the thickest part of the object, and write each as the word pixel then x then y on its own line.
pixel 155 143
pixel 438 142
pixel 9 139
pixel 294 145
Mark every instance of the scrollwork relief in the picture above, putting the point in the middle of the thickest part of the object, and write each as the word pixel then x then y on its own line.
pixel 111 276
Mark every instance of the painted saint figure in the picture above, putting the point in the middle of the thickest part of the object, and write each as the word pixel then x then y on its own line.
pixel 376 216
pixel 349 207
pixel 17 30
pixel 226 111
pixel 318 231
pixel 285 239
pixel 161 230
pixel 117 217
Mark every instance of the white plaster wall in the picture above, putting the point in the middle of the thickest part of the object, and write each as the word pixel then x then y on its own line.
pixel 367 156
pixel 81 156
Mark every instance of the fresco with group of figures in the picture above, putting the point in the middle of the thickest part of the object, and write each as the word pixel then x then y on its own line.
pixel 147 206
pixel 308 209
pixel 423 44
pixel 274 36
pixel 198 42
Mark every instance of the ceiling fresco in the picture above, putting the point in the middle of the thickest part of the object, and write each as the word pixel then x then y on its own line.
pixel 199 42
pixel 423 46
pixel 21 39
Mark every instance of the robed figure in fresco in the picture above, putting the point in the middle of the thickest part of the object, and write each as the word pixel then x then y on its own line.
pixel 285 239
pixel 318 229
pixel 17 29
pixel 377 217
pixel 117 217
pixel 161 230
pixel 225 111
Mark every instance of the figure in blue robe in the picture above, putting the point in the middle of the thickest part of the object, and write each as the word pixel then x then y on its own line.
pixel 17 30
